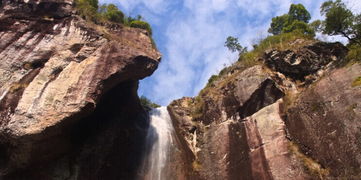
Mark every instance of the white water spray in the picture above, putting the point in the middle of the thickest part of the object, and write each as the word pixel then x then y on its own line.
pixel 159 143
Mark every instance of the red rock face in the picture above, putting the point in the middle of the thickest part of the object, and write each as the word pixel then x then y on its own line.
pixel 55 69
pixel 326 122
pixel 250 124
pixel 246 139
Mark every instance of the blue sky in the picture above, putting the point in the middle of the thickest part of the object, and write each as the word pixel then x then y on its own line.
pixel 191 34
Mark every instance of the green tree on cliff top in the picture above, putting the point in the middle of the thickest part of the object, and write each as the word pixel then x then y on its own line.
pixel 341 21
pixel 296 19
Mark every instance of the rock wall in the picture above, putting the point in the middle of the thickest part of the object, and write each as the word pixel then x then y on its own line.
pixel 64 81
pixel 69 107
pixel 295 116
pixel 325 121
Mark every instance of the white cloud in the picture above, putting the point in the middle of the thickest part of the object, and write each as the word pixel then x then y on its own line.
pixel 195 39
pixel 194 50
pixel 193 34
pixel 354 5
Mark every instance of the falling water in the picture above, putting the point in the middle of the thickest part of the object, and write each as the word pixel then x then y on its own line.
pixel 159 143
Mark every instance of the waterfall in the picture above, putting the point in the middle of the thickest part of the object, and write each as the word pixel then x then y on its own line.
pixel 159 141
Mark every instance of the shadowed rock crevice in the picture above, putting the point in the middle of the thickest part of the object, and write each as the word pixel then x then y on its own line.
pixel 107 144
pixel 114 136
pixel 267 94
pixel 297 64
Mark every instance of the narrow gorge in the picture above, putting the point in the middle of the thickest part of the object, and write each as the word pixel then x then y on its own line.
pixel 70 110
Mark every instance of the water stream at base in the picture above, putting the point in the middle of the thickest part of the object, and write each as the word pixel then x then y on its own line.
pixel 159 141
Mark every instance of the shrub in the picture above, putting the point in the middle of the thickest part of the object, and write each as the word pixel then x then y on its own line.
pixel 87 9
pixel 147 104
pixel 356 82
pixel 300 27
pixel 198 107
pixel 281 41
pixel 112 13
pixel 212 79
pixel 354 53
pixel 312 166
pixel 142 25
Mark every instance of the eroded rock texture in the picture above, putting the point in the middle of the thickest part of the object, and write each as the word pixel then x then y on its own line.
pixel 241 134
pixel 305 61
pixel 63 80
pixel 326 121
pixel 259 122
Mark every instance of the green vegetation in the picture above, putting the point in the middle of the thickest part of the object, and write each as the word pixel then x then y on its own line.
pixel 341 21
pixel 111 13
pixel 87 9
pixel 282 41
pixel 141 24
pixel 17 87
pixel 299 26
pixel 354 53
pixel 289 32
pixel 212 79
pixel 356 82
pixel 313 167
pixel 296 20
pixel 196 166
pixel 233 45
pixel 147 104
pixel 198 107
pixel 90 11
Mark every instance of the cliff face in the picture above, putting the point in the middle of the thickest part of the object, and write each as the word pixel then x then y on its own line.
pixel 63 80
pixel 69 107
pixel 295 116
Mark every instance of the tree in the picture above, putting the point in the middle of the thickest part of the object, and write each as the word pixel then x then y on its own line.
pixel 340 21
pixel 233 45
pixel 357 26
pixel 278 23
pixel 316 25
pixel 298 12
pixel 147 104
pixel 87 8
pixel 112 13
pixel 297 17
pixel 299 26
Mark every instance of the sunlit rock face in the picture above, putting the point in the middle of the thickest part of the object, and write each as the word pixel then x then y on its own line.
pixel 259 122
pixel 55 69
pixel 326 121
pixel 69 108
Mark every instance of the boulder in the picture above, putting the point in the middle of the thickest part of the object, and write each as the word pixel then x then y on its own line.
pixel 54 71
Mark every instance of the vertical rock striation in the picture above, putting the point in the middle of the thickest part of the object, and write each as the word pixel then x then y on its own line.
pixel 259 122
pixel 326 121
